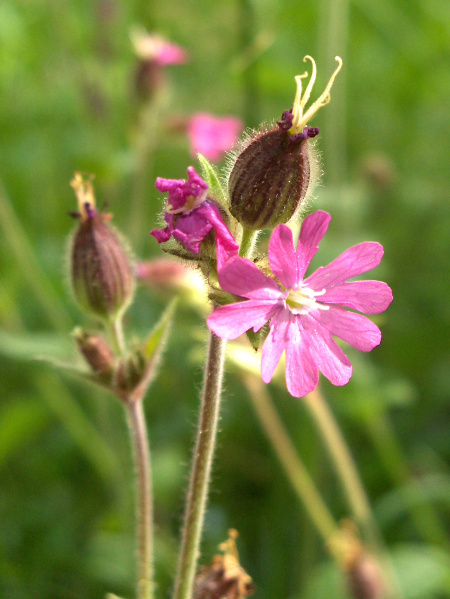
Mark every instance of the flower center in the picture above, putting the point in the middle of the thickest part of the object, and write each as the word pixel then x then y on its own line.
pixel 301 301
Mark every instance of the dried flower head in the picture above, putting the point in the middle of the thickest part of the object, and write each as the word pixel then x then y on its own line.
pixel 224 578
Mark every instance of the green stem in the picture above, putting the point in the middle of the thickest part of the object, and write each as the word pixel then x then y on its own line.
pixel 294 468
pixel 344 463
pixel 201 469
pixel 144 502
pixel 352 485
pixel 115 328
pixel 247 243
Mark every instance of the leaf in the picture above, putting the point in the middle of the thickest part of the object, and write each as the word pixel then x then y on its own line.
pixel 217 192
pixel 156 339
pixel 153 347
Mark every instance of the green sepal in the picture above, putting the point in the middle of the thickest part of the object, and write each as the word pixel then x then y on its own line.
pixel 257 339
pixel 216 189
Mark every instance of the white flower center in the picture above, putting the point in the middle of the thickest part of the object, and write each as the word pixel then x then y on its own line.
pixel 301 301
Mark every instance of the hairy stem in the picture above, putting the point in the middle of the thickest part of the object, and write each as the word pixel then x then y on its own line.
pixel 201 469
pixel 144 501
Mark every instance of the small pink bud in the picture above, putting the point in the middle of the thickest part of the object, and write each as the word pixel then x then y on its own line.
pixel 96 352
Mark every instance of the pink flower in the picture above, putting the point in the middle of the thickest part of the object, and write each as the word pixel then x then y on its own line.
pixel 212 136
pixel 304 313
pixel 156 49
pixel 190 216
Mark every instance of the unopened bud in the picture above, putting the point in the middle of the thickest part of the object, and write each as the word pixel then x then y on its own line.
pixel 101 272
pixel 96 352
pixel 129 371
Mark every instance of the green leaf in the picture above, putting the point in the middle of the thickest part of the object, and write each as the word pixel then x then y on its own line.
pixel 217 192
pixel 154 346
pixel 155 341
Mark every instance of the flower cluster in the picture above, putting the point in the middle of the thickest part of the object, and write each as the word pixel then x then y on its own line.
pixel 269 180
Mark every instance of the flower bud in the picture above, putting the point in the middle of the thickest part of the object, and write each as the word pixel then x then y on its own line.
pixel 275 168
pixel 96 352
pixel 101 272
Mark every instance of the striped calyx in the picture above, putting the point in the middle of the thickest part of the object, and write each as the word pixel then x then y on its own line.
pixel 101 271
pixel 271 176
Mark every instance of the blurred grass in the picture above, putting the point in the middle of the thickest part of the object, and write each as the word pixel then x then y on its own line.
pixel 66 104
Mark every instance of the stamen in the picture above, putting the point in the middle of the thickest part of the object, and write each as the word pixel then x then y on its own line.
pixel 84 191
pixel 301 301
pixel 300 119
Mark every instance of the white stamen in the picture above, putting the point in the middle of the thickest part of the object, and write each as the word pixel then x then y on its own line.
pixel 301 301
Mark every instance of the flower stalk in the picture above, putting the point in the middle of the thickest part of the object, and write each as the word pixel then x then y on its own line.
pixel 294 468
pixel 201 469
pixel 144 500
pixel 344 464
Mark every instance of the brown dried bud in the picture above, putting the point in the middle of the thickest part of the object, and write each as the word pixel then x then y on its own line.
pixel 363 574
pixel 224 578
pixel 101 272
pixel 96 352
pixel 364 578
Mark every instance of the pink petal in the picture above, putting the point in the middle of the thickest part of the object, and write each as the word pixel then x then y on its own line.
pixel 354 261
pixel 355 329
pixel 275 344
pixel 241 276
pixel 213 136
pixel 302 373
pixel 226 244
pixel 231 321
pixel 313 229
pixel 328 356
pixel 282 256
pixel 370 297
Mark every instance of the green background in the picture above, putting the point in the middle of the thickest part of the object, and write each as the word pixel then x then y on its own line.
pixel 67 102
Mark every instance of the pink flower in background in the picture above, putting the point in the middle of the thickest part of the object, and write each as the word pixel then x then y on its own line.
pixel 304 313
pixel 155 48
pixel 212 136
pixel 190 216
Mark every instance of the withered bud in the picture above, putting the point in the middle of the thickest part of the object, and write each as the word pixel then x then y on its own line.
pixel 364 578
pixel 96 352
pixel 276 167
pixel 224 578
pixel 101 271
